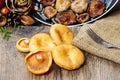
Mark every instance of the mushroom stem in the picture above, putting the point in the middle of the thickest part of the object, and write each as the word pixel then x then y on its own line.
pixel 39 57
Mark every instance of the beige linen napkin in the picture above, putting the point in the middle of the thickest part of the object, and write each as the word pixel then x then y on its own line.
pixel 107 28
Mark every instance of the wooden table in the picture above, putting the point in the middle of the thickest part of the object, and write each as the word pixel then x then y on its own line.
pixel 12 66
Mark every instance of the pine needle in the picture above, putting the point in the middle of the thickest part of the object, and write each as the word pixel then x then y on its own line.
pixel 5 33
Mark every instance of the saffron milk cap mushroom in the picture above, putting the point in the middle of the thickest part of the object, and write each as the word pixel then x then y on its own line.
pixel 38 62
pixel 23 44
pixel 41 42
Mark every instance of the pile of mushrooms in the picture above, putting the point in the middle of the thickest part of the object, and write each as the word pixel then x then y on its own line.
pixel 43 48
pixel 65 12
pixel 69 12
pixel 22 8
pixel 16 10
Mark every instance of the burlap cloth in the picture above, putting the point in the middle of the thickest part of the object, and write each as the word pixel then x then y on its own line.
pixel 107 28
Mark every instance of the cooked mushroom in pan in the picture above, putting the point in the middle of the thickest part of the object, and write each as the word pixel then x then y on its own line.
pixel 62 5
pixel 82 17
pixel 96 8
pixel 66 18
pixel 50 12
pixel 79 6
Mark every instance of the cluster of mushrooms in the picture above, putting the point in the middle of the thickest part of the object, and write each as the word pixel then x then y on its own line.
pixel 15 12
pixel 72 11
pixel 67 12
pixel 43 49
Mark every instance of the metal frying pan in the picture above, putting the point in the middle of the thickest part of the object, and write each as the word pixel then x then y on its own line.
pixel 109 5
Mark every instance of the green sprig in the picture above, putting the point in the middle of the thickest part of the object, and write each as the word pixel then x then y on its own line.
pixel 5 33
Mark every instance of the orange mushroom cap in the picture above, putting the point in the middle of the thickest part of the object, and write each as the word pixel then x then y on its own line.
pixel 38 62
pixel 23 45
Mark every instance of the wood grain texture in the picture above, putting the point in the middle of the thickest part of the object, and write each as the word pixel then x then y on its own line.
pixel 12 65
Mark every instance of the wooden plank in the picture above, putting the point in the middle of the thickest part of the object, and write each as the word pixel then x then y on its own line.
pixel 12 66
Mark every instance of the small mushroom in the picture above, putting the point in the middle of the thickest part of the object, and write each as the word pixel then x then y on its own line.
pixel 62 5
pixel 23 45
pixel 83 17
pixel 47 2
pixel 27 20
pixel 41 42
pixel 61 34
pixel 66 18
pixel 96 8
pixel 68 56
pixel 39 62
pixel 79 6
pixel 50 12
pixel 3 20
